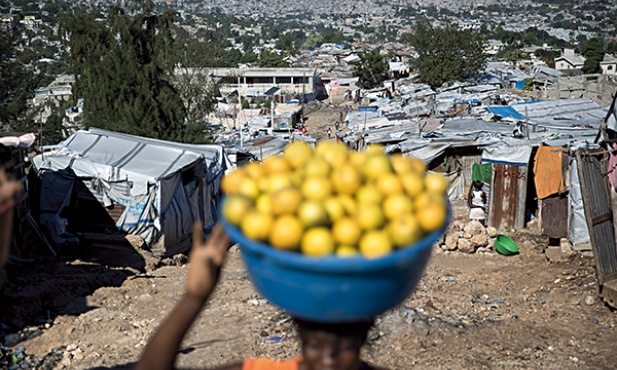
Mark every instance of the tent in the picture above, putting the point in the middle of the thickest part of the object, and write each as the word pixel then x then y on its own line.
pixel 160 187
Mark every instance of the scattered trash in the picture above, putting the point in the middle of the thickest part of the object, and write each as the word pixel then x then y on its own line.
pixel 594 320
pixel 543 302
pixel 574 359
pixel 452 279
pixel 589 301
pixel 557 281
pixel 275 339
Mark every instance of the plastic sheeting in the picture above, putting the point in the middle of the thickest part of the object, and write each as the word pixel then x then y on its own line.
pixel 578 232
pixel 163 186
pixel 515 154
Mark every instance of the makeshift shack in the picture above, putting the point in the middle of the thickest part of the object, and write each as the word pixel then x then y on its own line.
pixel 135 185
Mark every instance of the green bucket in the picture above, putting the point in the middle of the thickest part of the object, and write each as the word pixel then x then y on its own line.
pixel 506 246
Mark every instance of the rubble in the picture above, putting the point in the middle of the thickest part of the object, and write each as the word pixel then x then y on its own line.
pixel 473 238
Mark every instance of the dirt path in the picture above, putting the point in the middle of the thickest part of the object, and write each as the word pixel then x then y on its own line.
pixel 470 311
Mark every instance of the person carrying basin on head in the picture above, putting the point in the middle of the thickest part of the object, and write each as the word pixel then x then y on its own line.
pixel 333 346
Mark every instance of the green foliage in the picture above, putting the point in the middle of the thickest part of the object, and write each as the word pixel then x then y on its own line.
pixel 371 69
pixel 16 86
pixel 547 56
pixel 52 128
pixel 123 70
pixel 447 54
pixel 270 59
pixel 246 104
pixel 593 51
pixel 291 41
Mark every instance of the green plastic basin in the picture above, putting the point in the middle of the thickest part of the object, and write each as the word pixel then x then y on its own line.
pixel 504 245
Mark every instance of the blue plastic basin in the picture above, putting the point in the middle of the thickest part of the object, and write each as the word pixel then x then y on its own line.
pixel 334 289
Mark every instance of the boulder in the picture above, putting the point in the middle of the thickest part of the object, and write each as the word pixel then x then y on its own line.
pixel 467 235
pixel 474 228
pixel 451 242
pixel 491 231
pixel 465 246
pixel 479 241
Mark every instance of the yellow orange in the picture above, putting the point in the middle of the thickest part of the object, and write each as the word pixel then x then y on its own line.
pixel 335 208
pixel 230 184
pixel 346 180
pixel 368 194
pixel 376 166
pixel 369 216
pixel 404 231
pixel 235 208
pixel 255 170
pixel 397 205
pixel 431 216
pixel 346 251
pixel 389 184
pixel 316 167
pixel 317 242
pixel 436 183
pixel 346 231
pixel 313 213
pixel 286 233
pixel 256 225
pixel 400 163
pixel 297 153
pixel 248 187
pixel 275 164
pixel 375 244
pixel 286 200
pixel 316 188
pixel 413 183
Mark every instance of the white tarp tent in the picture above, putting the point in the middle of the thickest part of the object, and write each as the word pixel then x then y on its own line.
pixel 163 186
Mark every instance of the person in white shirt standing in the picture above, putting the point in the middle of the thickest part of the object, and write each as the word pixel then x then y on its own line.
pixel 477 203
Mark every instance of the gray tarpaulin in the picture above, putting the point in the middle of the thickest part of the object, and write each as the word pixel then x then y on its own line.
pixel 163 186
pixel 578 233
pixel 506 152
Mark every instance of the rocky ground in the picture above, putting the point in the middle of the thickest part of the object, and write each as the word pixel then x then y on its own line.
pixel 471 310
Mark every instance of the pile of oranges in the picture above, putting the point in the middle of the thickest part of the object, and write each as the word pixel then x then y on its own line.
pixel 333 201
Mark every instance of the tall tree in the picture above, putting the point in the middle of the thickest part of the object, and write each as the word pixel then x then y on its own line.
pixel 123 69
pixel 16 86
pixel 447 54
pixel 371 69
pixel 593 51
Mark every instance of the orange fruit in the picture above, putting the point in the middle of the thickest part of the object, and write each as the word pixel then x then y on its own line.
pixel 397 205
pixel 400 163
pixel 404 231
pixel 317 242
pixel 368 194
pixel 345 180
pixel 275 164
pixel 369 216
pixel 297 153
pixel 431 216
pixel 318 188
pixel 389 184
pixel 235 207
pixel 375 166
pixel 286 200
pixel 346 231
pixel 230 184
pixel 412 183
pixel 256 225
pixel 248 187
pixel 436 183
pixel 286 233
pixel 254 170
pixel 313 213
pixel 346 251
pixel 375 244
pixel 316 167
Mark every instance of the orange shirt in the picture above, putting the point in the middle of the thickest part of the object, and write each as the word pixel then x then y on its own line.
pixel 267 364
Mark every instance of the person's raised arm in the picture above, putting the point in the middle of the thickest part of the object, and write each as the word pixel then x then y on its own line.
pixel 8 189
pixel 205 261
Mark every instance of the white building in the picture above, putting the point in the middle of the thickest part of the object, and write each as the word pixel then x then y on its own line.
pixel 569 61
pixel 609 65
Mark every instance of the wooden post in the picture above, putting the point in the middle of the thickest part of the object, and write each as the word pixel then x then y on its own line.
pixel 527 122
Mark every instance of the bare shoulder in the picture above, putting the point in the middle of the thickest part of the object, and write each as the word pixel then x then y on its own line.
pixel 230 367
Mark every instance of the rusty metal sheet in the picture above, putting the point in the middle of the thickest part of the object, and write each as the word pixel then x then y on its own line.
pixel 554 216
pixel 508 195
pixel 599 215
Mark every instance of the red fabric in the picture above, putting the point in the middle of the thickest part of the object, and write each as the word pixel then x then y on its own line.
pixel 268 364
